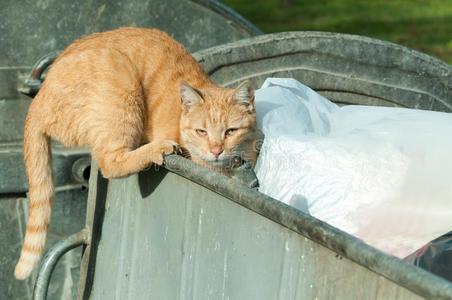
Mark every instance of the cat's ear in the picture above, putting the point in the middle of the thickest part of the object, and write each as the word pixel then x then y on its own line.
pixel 244 93
pixel 188 95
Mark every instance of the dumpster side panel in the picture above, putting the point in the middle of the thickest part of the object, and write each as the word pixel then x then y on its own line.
pixel 67 217
pixel 11 219
pixel 165 237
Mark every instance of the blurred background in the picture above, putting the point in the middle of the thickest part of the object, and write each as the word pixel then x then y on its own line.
pixel 425 25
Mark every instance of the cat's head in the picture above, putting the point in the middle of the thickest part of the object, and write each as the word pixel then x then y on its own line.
pixel 217 124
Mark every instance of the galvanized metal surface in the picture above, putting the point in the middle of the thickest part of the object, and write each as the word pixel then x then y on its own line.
pixel 94 219
pixel 68 215
pixel 345 68
pixel 184 238
pixel 179 236
pixel 51 258
pixel 31 29
pixel 13 178
pixel 348 70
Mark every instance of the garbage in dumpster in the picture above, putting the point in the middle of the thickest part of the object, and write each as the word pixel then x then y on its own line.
pixel 435 256
pixel 383 174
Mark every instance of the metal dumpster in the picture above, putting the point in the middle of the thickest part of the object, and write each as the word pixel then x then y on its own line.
pixel 183 232
pixel 31 29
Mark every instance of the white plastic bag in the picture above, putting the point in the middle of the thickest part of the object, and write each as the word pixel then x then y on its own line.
pixel 381 174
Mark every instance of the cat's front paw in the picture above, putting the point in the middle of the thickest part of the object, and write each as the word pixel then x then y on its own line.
pixel 162 148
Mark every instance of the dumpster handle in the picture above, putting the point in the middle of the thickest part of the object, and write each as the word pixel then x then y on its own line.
pixel 33 83
pixel 52 257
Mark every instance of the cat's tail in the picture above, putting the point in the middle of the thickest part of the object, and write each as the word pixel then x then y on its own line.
pixel 38 167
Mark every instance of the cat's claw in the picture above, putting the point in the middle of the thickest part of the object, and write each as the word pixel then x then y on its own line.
pixel 164 148
pixel 177 149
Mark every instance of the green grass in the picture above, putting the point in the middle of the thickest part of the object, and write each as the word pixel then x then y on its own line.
pixel 425 25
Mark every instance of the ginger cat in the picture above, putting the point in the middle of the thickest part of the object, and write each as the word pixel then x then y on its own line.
pixel 131 95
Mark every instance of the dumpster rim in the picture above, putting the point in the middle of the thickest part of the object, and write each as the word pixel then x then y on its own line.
pixel 296 35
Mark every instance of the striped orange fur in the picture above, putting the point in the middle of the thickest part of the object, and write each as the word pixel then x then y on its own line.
pixel 130 95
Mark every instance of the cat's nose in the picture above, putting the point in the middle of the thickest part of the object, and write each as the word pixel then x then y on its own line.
pixel 216 151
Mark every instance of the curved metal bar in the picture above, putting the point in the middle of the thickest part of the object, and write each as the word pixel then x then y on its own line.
pixel 52 257
pixel 33 83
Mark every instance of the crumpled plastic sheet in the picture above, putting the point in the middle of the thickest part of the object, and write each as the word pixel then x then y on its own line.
pixel 382 174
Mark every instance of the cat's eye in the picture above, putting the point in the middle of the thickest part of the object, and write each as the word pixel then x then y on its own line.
pixel 230 131
pixel 201 132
